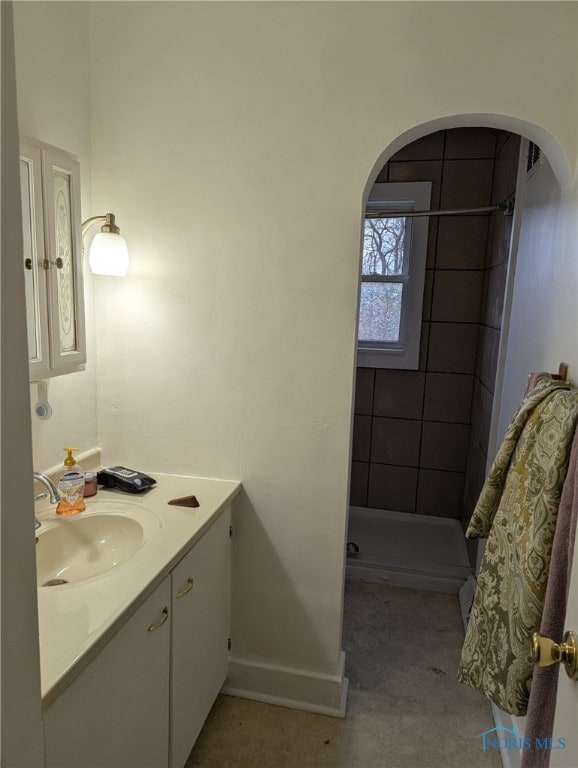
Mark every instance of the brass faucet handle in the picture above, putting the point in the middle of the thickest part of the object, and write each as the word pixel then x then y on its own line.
pixel 544 651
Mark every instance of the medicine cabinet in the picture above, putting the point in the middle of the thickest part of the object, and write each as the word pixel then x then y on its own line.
pixel 52 254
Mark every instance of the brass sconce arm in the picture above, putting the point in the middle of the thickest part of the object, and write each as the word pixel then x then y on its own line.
pixel 108 226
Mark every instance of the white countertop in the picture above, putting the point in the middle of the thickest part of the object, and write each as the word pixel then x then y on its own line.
pixel 76 620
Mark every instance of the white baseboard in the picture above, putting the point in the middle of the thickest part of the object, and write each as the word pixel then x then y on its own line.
pixel 511 758
pixel 466 595
pixel 287 687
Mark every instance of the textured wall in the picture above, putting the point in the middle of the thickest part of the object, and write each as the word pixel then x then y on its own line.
pixel 235 140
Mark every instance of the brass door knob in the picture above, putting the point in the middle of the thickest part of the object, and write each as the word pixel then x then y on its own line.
pixel 545 651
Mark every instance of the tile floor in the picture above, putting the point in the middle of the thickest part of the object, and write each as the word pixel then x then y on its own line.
pixel 405 707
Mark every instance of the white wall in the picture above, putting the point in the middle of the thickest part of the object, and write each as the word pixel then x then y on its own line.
pixel 544 316
pixel 234 142
pixel 53 106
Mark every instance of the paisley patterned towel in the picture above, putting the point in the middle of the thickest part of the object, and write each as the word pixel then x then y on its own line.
pixel 517 511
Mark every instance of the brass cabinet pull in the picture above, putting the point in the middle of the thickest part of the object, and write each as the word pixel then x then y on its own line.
pixel 545 651
pixel 45 263
pixel 159 624
pixel 187 589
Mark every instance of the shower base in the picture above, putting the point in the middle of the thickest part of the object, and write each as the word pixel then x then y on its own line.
pixel 407 550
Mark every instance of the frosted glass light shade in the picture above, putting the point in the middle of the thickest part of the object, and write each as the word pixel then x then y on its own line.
pixel 108 255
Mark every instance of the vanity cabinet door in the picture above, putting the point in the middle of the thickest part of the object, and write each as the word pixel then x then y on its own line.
pixel 116 713
pixel 200 632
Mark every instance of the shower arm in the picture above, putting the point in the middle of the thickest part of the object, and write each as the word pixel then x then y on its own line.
pixel 374 213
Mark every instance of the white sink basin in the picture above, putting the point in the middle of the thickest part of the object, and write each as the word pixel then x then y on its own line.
pixel 73 549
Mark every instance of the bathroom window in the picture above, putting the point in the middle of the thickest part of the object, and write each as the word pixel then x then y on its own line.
pixel 393 263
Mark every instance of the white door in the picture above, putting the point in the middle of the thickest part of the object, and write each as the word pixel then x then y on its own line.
pixel 566 720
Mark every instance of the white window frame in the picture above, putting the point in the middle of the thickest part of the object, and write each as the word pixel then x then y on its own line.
pixel 403 354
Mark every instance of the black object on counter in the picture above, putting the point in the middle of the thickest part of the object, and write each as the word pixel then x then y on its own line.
pixel 128 480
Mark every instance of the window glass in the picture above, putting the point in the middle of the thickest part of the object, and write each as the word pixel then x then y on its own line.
pixel 384 247
pixel 393 263
pixel 380 312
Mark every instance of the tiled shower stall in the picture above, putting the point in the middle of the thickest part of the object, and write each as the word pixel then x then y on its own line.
pixel 420 439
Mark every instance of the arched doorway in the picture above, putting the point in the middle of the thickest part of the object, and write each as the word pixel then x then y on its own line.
pixel 487 354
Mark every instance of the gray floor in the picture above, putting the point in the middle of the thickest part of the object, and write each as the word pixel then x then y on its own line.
pixel 405 707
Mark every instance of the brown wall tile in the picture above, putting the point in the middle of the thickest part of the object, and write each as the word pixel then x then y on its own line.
pixel 470 143
pixel 482 403
pixel 452 347
pixel 398 394
pixel 475 477
pixel 358 484
pixel 504 179
pixel 444 446
pixel 466 183
pixel 440 493
pixel 432 239
pixel 457 296
pixel 364 379
pixel 428 170
pixel 494 297
pixel 427 294
pixel 462 242
pixel 383 175
pixel 430 147
pixel 476 466
pixel 488 346
pixel 501 233
pixel 392 488
pixel 361 438
pixel 395 441
pixel 510 147
pixel 448 397
pixel 424 346
pixel 501 139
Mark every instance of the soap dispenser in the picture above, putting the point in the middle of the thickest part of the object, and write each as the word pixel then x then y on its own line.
pixel 71 486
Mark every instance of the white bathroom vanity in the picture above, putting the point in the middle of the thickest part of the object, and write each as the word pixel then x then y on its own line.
pixel 134 648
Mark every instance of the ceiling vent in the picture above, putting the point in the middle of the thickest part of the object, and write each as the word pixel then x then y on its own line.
pixel 534 159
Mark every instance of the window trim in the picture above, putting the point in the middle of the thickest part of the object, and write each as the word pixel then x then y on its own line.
pixel 405 354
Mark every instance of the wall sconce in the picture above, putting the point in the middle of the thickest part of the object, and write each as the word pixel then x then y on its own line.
pixel 108 253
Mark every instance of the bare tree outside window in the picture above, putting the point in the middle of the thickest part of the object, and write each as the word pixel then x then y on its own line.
pixel 383 246
pixel 381 299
